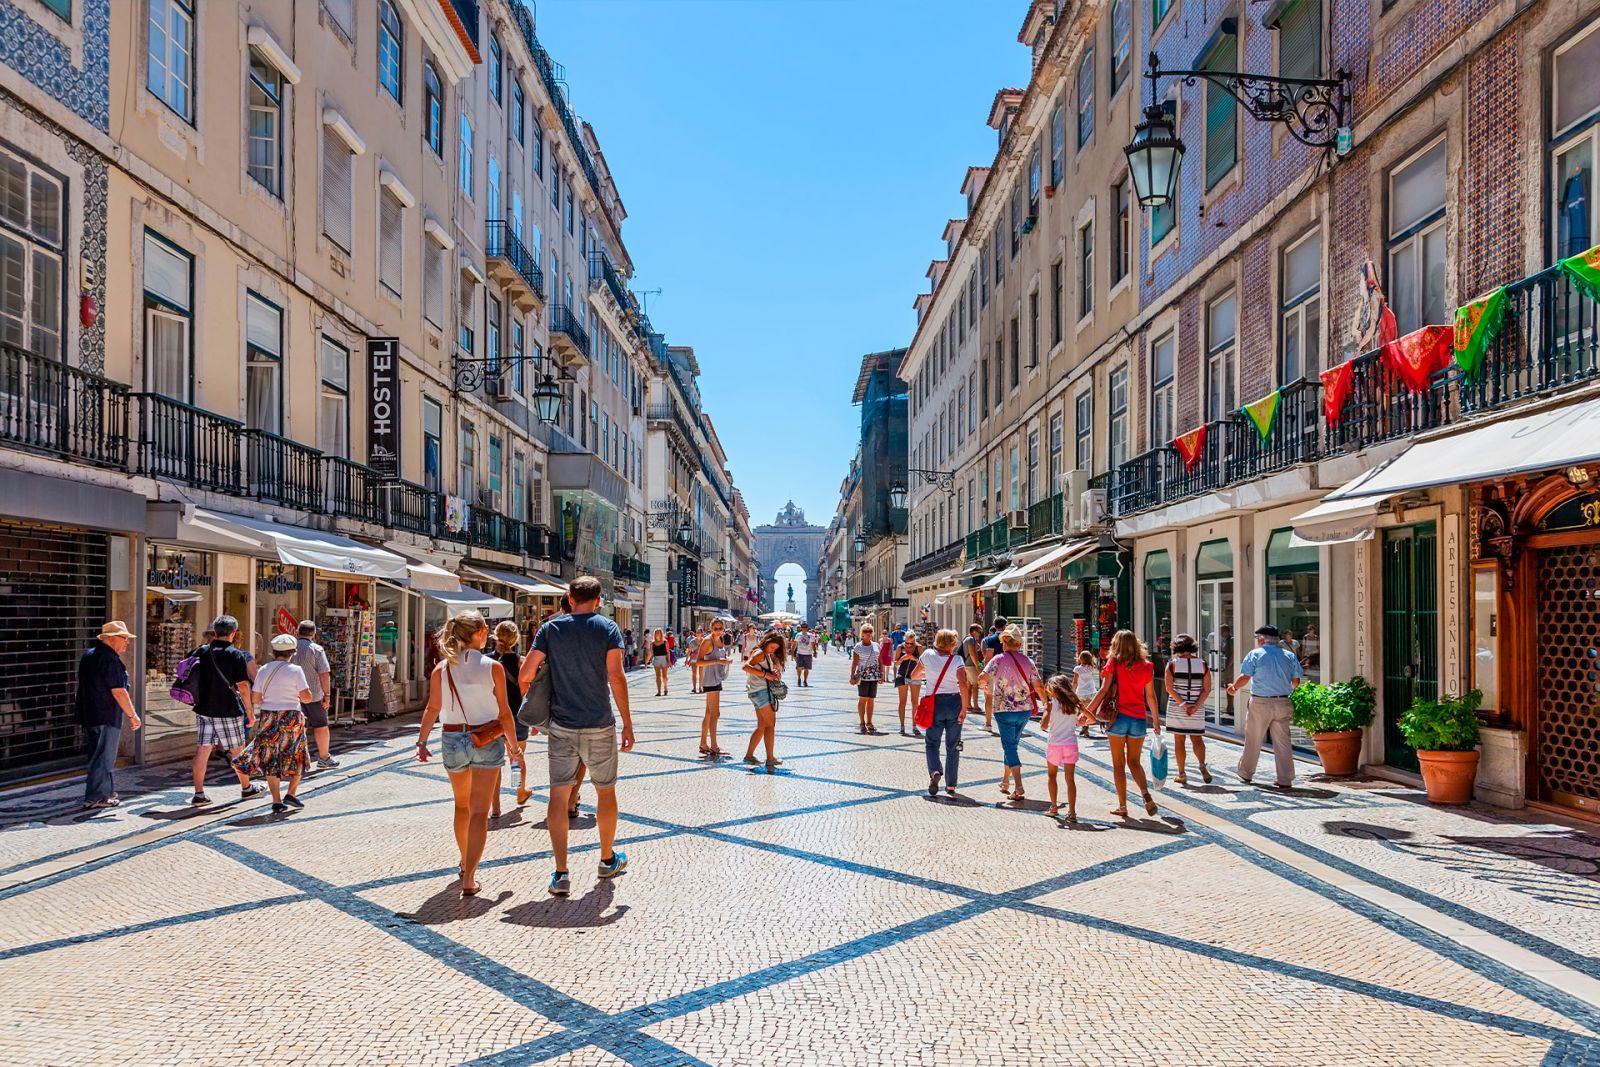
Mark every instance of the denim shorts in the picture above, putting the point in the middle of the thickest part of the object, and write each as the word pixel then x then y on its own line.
pixel 1127 726
pixel 760 697
pixel 458 753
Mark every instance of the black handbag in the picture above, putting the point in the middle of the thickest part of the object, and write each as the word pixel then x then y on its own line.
pixel 535 710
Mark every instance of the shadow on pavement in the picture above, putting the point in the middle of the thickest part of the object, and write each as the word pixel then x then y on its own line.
pixel 448 905
pixel 593 909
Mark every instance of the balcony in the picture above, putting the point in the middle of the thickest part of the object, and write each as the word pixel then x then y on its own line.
pixel 994 538
pixel 706 600
pixel 1292 440
pixel 49 407
pixel 1047 518
pixel 935 561
pixel 603 274
pixel 512 266
pixel 1549 340
pixel 568 338
pixel 280 471
pixel 179 442
pixel 630 569
pixel 350 490
pixel 1381 407
pixel 408 506
pixel 467 12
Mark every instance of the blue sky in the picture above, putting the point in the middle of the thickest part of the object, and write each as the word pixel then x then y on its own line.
pixel 787 168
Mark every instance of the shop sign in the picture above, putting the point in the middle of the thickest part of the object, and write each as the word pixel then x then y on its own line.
pixel 176 576
pixel 383 406
pixel 1452 678
pixel 1580 513
pixel 277 580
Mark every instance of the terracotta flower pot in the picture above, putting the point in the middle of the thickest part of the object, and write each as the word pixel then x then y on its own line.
pixel 1340 752
pixel 1448 775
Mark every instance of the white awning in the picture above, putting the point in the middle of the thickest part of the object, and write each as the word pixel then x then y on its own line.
pixel 1048 566
pixel 1003 576
pixel 466 599
pixel 522 583
pixel 1337 522
pixel 1558 438
pixel 300 547
pixel 176 596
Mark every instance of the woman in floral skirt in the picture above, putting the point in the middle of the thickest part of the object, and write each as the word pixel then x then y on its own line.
pixel 278 742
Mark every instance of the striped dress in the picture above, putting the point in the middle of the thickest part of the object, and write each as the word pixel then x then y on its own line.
pixel 1188 678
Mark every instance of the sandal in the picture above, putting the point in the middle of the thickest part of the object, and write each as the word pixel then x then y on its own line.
pixel 1072 816
pixel 1149 805
pixel 1123 812
pixel 471 890
pixel 1181 779
pixel 1053 810
pixel 1018 797
pixel 1205 775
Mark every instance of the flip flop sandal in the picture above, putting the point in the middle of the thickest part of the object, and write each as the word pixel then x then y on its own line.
pixel 1120 812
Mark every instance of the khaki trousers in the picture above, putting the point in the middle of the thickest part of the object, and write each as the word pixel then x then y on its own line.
pixel 1268 715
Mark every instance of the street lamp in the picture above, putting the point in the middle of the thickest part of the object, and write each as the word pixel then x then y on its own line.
pixel 683 530
pixel 838 573
pixel 547 400
pixel 897 496
pixel 722 564
pixel 1154 157
pixel 861 541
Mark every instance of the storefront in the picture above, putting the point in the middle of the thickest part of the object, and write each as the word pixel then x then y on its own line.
pixel 534 597
pixel 180 599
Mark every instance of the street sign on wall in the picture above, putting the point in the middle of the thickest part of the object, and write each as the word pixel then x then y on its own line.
pixel 383 406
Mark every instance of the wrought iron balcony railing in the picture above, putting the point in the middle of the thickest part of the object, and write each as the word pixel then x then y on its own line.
pixel 47 406
pixel 1549 339
pixel 565 323
pixel 504 244
pixel 179 442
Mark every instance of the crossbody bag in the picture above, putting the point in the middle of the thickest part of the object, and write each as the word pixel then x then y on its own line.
pixel 923 717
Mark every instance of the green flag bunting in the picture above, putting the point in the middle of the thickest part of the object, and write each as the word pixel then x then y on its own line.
pixel 1584 270
pixel 1476 325
pixel 1262 412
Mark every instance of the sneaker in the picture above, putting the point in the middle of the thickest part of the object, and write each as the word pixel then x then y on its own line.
pixel 294 801
pixel 618 864
pixel 198 799
pixel 278 808
pixel 561 884
pixel 933 783
pixel 327 764
pixel 255 789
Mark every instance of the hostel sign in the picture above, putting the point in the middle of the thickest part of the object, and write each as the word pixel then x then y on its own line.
pixel 383 406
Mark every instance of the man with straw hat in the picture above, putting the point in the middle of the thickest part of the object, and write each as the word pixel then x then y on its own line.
pixel 102 703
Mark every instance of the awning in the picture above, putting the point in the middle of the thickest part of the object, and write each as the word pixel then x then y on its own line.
pixel 995 580
pixel 1047 568
pixel 300 547
pixel 176 596
pixel 467 599
pixel 522 583
pixel 1337 522
pixel 1559 438
pixel 423 575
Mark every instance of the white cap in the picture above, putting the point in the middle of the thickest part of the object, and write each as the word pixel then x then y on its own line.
pixel 284 643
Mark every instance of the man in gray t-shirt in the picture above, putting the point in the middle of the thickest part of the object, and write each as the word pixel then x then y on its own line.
pixel 313 661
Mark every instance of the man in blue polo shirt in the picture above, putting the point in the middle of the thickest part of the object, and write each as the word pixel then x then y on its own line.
pixel 1272 672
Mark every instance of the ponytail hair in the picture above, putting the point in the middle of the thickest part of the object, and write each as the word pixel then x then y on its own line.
pixel 507 637
pixel 457 634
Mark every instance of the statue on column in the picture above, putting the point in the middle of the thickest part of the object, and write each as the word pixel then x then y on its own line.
pixel 789 605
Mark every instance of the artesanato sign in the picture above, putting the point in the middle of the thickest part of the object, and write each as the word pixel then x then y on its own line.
pixel 383 406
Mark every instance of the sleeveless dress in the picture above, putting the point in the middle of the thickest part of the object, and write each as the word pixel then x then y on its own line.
pixel 1188 677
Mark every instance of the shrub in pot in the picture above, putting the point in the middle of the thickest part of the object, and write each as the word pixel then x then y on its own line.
pixel 1445 734
pixel 1335 715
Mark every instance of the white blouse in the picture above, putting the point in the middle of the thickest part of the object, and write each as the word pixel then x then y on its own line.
pixel 278 686
pixel 474 681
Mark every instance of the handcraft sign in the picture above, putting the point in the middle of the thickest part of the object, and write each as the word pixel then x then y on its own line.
pixel 383 406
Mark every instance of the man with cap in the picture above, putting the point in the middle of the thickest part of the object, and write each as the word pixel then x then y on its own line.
pixel 313 663
pixel 102 704
pixel 1272 672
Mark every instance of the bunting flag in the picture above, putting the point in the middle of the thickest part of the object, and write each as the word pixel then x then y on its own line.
pixel 1337 382
pixel 1419 354
pixel 1476 325
pixel 1190 445
pixel 1584 270
pixel 1262 413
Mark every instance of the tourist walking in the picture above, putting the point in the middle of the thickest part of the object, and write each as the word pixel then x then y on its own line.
pixel 865 672
pixel 991 648
pixel 672 648
pixel 906 663
pixel 1061 718
pixel 1014 687
pixel 972 659
pixel 312 660
pixel 467 694
pixel 1272 672
pixel 762 670
pixel 508 653
pixel 585 654
pixel 715 655
pixel 691 656
pixel 278 741
pixel 1131 692
pixel 1086 683
pixel 1188 683
pixel 223 707
pixel 945 667
pixel 805 648
pixel 660 660
pixel 102 705
pixel 627 649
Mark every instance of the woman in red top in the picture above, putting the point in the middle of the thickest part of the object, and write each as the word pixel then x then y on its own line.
pixel 1130 674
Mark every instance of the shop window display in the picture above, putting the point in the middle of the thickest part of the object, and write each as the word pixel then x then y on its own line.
pixel 1294 598
pixel 177 585
pixel 347 629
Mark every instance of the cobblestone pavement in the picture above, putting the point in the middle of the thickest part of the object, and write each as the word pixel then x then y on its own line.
pixel 828 913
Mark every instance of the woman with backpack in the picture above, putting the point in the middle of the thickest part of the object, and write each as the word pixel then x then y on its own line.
pixel 1127 704
pixel 1014 688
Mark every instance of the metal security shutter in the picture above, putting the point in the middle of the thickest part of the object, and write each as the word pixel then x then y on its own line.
pixel 1222 114
pixel 1568 714
pixel 391 243
pixel 337 195
pixel 1047 604
pixel 53 602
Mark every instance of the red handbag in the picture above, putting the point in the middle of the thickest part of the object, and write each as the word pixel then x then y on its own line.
pixel 923 717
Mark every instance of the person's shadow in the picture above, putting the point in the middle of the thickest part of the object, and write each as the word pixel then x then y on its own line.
pixel 448 906
pixel 593 909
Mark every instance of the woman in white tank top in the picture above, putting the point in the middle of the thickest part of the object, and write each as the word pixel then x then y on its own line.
pixel 467 692
pixel 1188 685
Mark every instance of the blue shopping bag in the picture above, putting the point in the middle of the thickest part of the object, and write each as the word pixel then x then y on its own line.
pixel 1158 761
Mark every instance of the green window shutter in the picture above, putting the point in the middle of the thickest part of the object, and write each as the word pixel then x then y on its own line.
pixel 1222 120
pixel 60 7
pixel 1299 27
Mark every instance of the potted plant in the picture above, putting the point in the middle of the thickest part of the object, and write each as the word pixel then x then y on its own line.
pixel 1445 734
pixel 1335 715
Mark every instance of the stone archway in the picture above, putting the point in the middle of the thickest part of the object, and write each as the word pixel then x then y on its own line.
pixel 788 539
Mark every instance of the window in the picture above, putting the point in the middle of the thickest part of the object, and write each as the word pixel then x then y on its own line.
pixel 31 250
pixel 1016 220
pixel 567 208
pixel 1033 329
pixel 1083 431
pixel 1221 331
pixel 1086 270
pixel 170 73
pixel 391 51
pixel 1163 391
pixel 265 133
pixel 999 254
pixel 516 354
pixel 1117 438
pixel 263 371
pixel 1057 295
pixel 1058 144
pixel 983 377
pixel 432 444
pixel 492 203
pixel 972 299
pixel 536 149
pixel 496 468
pixel 1294 599
pixel 168 319
pixel 1121 232
pixel 1015 496
pixel 1164 219
pixel 519 487
pixel 496 68
pixel 519 112
pixel 1086 97
pixel 1301 317
pixel 1033 184
pixel 338 195
pixel 467 463
pixel 1485 633
pixel 491 334
pixel 333 404
pixel 1121 43
pixel 555 187
pixel 1158 11
pixel 1575 145
pixel 1299 26
pixel 1016 353
pixel 1222 113
pixel 1416 239
pixel 433 274
pixel 343 12
pixel 391 243
pixel 464 159
pixel 983 280
pixel 432 110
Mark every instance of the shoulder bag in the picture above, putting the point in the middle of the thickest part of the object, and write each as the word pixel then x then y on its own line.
pixel 1026 681
pixel 535 710
pixel 923 717
pixel 1106 713
pixel 778 690
pixel 484 734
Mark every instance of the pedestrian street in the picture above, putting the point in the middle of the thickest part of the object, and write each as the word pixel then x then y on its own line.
pixel 827 912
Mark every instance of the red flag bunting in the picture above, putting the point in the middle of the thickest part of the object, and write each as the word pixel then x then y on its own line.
pixel 1416 356
pixel 1336 385
pixel 1190 445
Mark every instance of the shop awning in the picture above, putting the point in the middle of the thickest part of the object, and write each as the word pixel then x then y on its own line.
pixel 522 583
pixel 300 547
pixel 465 599
pixel 1337 522
pixel 177 596
pixel 426 577
pixel 1048 566
pixel 1550 439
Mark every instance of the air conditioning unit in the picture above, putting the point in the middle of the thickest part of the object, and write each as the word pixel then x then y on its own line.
pixel 499 387
pixel 489 498
pixel 1094 509
pixel 1018 520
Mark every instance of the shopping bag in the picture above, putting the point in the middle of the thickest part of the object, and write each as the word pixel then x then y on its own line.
pixel 1158 761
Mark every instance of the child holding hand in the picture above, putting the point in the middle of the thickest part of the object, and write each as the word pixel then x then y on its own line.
pixel 1061 721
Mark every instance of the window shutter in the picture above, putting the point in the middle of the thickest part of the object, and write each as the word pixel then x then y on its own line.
pixel 391 242
pixel 1222 126
pixel 1300 40
pixel 337 166
pixel 433 283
